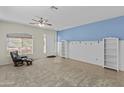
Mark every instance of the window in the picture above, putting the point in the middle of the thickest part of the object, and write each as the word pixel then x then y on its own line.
pixel 23 44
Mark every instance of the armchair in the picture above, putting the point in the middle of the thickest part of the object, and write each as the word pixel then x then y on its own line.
pixel 19 60
pixel 16 58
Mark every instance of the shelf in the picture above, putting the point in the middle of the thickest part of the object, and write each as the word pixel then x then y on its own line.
pixel 110 56
pixel 110 49
pixel 110 61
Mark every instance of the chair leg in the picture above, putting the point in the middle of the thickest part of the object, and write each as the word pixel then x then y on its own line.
pixel 22 63
pixel 29 63
pixel 16 65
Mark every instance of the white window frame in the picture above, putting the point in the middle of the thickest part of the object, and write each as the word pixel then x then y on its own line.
pixel 22 41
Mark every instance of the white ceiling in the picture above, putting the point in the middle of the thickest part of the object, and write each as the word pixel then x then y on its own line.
pixel 63 18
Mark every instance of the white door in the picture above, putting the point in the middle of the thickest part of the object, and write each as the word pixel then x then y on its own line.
pixel 50 44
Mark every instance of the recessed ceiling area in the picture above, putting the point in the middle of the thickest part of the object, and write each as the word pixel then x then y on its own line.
pixel 62 18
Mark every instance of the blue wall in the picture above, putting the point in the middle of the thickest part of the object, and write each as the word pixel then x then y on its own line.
pixel 95 31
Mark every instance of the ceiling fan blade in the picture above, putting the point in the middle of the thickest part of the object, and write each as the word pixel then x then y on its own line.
pixel 48 24
pixel 35 20
pixel 32 23
pixel 39 17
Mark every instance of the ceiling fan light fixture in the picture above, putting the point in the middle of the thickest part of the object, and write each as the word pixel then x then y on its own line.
pixel 41 25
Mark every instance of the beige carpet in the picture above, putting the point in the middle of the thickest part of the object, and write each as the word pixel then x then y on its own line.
pixel 59 72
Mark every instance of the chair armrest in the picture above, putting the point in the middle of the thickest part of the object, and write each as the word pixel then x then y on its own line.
pixel 18 58
pixel 24 57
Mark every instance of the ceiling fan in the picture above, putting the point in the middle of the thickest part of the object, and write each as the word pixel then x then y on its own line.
pixel 40 22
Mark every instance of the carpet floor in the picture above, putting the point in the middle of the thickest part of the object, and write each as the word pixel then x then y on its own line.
pixel 59 72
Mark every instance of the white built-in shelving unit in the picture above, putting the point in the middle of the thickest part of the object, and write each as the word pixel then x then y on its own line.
pixel 64 49
pixel 111 53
